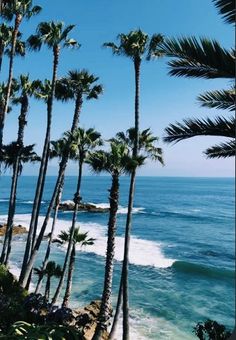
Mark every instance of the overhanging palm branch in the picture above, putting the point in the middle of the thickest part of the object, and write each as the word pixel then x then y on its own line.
pixel 199 58
pixel 223 99
pixel 223 150
pixel 226 9
pixel 219 126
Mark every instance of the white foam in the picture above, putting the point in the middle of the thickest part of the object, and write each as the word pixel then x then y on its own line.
pixel 4 200
pixel 142 252
pixel 121 210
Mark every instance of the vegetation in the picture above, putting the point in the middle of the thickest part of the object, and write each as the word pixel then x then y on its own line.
pixel 120 155
pixel 205 58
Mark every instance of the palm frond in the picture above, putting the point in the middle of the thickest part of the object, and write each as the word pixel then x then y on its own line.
pixel 226 9
pixel 200 127
pixel 224 99
pixel 223 150
pixel 201 58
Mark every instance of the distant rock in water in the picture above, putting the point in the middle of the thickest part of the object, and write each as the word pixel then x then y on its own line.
pixel 17 229
pixel 89 207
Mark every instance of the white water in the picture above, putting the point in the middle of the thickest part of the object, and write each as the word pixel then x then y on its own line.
pixel 142 252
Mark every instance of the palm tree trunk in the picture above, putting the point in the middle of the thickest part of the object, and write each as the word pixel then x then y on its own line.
pixel 77 200
pixel 6 250
pixel 42 172
pixel 137 64
pixel 47 288
pixel 69 278
pixel 46 258
pixel 1 56
pixel 18 20
pixel 117 312
pixel 126 259
pixel 57 188
pixel 11 211
pixel 107 290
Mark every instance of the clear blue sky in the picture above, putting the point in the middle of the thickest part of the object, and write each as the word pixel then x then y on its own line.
pixel 164 99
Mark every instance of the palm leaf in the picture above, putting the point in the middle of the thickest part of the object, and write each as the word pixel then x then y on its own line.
pixel 224 99
pixel 226 9
pixel 200 127
pixel 223 150
pixel 202 58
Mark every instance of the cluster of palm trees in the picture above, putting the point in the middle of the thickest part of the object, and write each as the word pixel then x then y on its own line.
pixel 123 154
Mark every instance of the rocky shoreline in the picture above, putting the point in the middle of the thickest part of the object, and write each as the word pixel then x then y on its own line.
pixel 17 229
pixel 88 207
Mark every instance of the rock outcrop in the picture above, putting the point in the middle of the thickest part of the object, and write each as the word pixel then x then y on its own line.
pixel 86 320
pixel 17 229
pixel 88 207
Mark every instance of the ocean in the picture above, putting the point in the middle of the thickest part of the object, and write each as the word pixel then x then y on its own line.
pixel 182 258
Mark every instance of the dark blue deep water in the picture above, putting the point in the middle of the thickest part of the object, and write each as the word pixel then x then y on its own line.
pixel 182 257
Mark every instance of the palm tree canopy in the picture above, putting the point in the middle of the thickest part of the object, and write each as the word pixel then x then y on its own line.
pixel 81 238
pixel 147 143
pixel 78 83
pixel 13 150
pixel 223 99
pixel 201 58
pixel 26 87
pixel 53 269
pixel 22 8
pixel 116 161
pixel 200 127
pixel 136 45
pixel 60 147
pixel 82 141
pixel 3 93
pixel 52 34
pixel 226 9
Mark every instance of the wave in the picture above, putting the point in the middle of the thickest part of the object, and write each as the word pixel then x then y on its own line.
pixel 4 200
pixel 142 252
pixel 199 269
pixel 121 210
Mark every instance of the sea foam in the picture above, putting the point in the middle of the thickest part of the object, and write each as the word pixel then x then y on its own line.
pixel 142 252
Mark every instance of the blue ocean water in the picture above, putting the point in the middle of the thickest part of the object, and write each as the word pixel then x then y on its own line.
pixel 182 256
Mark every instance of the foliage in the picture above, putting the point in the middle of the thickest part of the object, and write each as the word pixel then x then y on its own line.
pixel 24 330
pixel 211 330
pixel 11 299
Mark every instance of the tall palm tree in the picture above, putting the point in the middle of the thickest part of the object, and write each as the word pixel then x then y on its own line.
pixel 5 42
pixel 26 89
pixel 52 269
pixel 78 238
pixel 57 150
pixel 81 85
pixel 54 36
pixel 82 141
pixel 135 45
pixel 206 58
pixel 23 154
pixel 116 161
pixel 17 10
pixel 148 147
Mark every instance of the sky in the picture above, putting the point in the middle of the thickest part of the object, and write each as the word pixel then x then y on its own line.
pixel 164 99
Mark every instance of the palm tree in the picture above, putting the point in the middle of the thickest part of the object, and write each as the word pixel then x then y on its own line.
pixel 54 36
pixel 80 84
pixel 148 147
pixel 82 141
pixel 5 42
pixel 135 45
pixel 78 238
pixel 26 89
pixel 116 161
pixel 205 58
pixel 17 10
pixel 52 269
